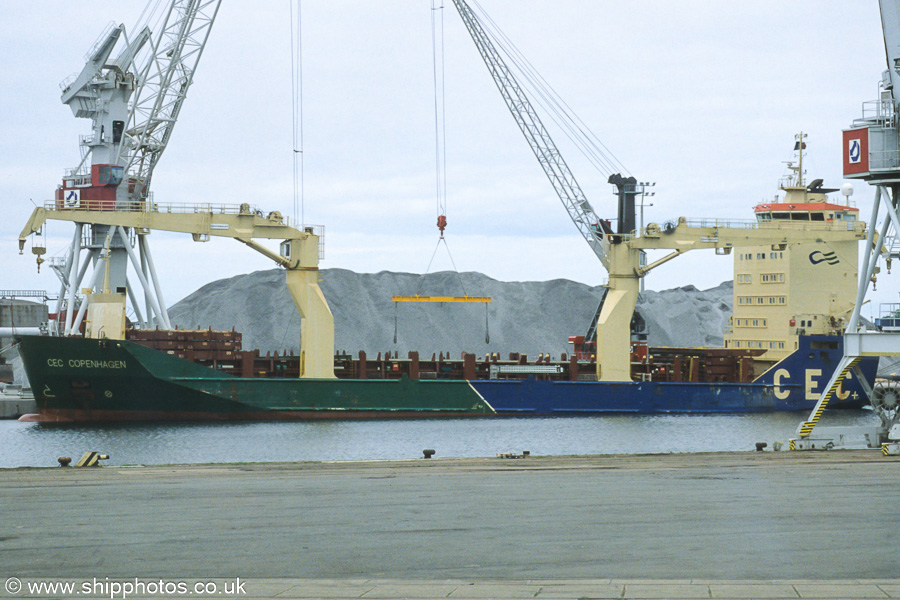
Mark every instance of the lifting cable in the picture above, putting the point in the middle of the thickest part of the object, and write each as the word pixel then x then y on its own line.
pixel 440 129
pixel 296 123
pixel 553 105
pixel 297 109
pixel 440 162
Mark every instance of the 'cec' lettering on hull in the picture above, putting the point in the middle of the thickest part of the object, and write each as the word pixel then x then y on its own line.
pixel 83 363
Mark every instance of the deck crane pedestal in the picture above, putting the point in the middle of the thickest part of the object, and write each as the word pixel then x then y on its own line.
pixel 620 251
pixel 871 153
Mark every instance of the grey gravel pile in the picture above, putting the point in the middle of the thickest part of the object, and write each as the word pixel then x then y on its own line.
pixel 529 317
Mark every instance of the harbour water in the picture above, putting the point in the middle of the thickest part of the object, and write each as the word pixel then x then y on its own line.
pixel 38 445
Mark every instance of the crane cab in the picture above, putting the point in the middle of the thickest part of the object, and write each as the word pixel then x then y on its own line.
pixel 94 191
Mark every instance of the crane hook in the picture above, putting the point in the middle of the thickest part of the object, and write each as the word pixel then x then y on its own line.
pixel 442 224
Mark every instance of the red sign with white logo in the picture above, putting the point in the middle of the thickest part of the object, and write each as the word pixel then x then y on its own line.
pixel 856 151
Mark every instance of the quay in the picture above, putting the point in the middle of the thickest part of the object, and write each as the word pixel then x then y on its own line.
pixel 711 525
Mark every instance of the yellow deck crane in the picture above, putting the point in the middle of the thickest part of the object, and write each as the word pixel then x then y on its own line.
pixel 620 251
pixel 299 255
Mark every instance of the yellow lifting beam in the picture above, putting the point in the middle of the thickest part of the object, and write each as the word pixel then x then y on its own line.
pixel 418 298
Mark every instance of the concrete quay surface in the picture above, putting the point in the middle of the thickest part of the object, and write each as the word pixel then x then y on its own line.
pixel 717 525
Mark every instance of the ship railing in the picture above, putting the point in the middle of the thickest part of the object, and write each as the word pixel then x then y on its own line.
pixel 101 39
pixel 70 79
pixel 149 206
pixel 890 316
pixel 892 244
pixel 722 223
pixel 752 224
pixel 879 113
pixel 884 159
pixel 5 294
pixel 83 173
pixel 787 181
pixel 889 310
pixel 775 224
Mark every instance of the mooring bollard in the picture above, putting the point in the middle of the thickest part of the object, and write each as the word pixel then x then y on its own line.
pixel 64 461
pixel 428 452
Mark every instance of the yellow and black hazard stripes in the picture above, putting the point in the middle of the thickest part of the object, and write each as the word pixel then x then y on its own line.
pixel 807 427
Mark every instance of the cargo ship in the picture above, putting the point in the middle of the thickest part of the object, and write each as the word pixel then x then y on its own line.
pixel 92 380
pixel 100 366
pixel 795 268
pixel 790 302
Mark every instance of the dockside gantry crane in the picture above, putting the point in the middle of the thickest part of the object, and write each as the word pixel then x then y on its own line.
pixel 871 152
pixel 620 251
pixel 133 102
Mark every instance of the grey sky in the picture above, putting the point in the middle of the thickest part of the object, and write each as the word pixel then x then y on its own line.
pixel 702 97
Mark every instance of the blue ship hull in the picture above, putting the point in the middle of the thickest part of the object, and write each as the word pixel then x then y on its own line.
pixel 795 383
pixel 78 379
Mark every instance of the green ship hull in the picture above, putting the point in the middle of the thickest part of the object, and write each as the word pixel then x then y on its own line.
pixel 77 379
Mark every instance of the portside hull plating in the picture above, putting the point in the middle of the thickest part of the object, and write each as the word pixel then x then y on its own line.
pixel 76 379
pixel 793 384
pixel 534 397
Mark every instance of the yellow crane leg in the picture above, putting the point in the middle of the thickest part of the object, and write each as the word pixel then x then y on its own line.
pixel 614 333
pixel 316 324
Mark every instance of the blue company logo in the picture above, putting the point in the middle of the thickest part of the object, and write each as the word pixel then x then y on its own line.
pixel 820 257
pixel 72 199
pixel 855 151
